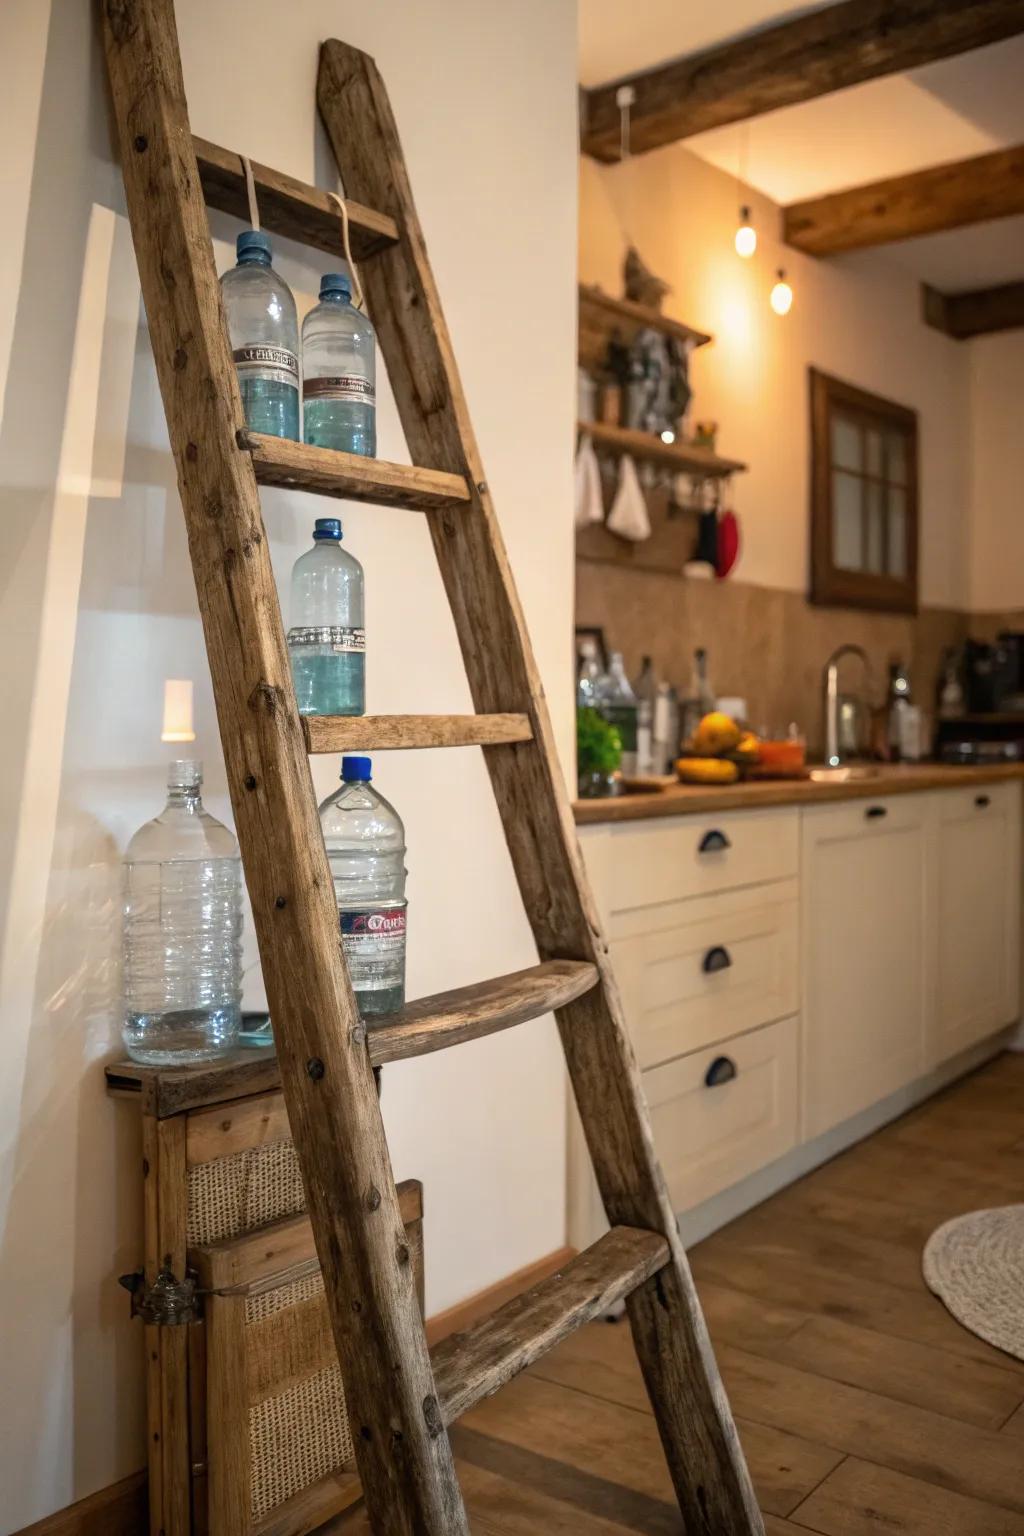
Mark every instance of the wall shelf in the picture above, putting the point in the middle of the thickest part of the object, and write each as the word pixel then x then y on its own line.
pixel 685 458
pixel 601 316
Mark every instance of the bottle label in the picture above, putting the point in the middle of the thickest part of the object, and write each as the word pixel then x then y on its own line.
pixel 340 638
pixel 276 365
pixel 349 387
pixel 374 945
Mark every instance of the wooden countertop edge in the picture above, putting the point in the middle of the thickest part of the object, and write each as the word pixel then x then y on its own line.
pixel 758 794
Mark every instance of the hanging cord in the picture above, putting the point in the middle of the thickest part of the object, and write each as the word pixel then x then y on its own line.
pixel 250 191
pixel 625 96
pixel 357 287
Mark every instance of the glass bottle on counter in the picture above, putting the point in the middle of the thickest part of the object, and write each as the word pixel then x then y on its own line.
pixel 700 698
pixel 666 728
pixel 897 701
pixel 646 690
pixel 619 707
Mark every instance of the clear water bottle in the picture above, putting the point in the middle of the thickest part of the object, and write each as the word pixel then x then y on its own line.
pixel 264 333
pixel 365 843
pixel 327 642
pixel 182 931
pixel 339 368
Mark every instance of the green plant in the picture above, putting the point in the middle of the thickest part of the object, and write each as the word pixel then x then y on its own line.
pixel 598 745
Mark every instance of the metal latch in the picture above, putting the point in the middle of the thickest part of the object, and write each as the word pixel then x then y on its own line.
pixel 168 1302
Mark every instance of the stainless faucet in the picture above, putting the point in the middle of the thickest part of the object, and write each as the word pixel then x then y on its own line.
pixel 830 680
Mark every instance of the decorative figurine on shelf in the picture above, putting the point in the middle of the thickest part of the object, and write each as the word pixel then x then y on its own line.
pixel 640 282
pixel 706 433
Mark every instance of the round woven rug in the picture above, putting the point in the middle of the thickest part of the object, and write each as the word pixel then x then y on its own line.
pixel 975 1265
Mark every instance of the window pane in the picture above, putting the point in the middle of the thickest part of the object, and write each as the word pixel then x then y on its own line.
pixel 875 553
pixel 896 561
pixel 846 521
pixel 873 445
pixel 896 448
pixel 846 443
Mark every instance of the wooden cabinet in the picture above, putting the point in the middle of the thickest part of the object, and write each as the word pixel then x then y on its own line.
pixel 864 954
pixel 976 878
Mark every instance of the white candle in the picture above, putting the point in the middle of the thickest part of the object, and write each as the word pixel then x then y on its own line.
pixel 178 710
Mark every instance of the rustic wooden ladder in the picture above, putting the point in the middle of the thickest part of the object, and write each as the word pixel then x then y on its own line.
pixel 400 1397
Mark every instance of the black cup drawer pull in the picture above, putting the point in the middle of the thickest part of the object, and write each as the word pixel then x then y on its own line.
pixel 714 842
pixel 981 801
pixel 874 811
pixel 717 958
pixel 722 1070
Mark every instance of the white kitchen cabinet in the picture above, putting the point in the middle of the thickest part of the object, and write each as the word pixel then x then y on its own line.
pixel 692 972
pixel 721 1114
pixel 863 904
pixel 976 878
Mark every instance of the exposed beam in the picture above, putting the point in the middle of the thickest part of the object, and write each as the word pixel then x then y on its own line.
pixel 812 56
pixel 974 314
pixel 943 197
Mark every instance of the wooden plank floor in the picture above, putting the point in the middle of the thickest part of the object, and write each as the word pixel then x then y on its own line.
pixel 863 1407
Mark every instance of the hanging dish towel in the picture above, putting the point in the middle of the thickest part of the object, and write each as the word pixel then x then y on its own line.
pixel 628 516
pixel 589 505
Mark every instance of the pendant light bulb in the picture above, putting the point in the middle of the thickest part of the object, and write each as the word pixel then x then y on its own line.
pixel 781 298
pixel 746 235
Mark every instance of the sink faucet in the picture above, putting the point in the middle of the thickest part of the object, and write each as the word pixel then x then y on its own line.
pixel 830 681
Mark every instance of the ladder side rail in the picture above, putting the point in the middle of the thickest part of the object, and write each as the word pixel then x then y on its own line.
pixel 709 1472
pixel 403 1455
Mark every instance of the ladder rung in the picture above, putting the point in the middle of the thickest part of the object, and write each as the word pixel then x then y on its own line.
pixel 470 1366
pixel 468 1013
pixel 381 733
pixel 300 467
pixel 289 207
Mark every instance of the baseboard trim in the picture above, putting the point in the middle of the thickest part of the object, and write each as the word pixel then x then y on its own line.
pixel 480 1305
pixel 122 1509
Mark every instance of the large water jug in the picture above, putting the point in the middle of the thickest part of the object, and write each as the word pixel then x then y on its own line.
pixel 182 931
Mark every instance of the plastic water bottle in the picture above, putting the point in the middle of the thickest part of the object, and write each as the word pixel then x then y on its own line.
pixel 182 931
pixel 365 843
pixel 327 642
pixel 264 334
pixel 339 367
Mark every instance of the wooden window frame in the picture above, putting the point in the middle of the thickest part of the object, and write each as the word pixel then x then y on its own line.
pixel 831 586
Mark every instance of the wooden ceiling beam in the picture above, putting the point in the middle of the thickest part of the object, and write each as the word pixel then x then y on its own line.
pixel 796 61
pixel 978 313
pixel 902 207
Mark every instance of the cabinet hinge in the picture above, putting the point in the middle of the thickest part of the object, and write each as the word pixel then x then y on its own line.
pixel 168 1302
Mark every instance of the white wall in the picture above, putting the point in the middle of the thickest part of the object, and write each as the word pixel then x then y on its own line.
pixel 997 472
pixel 97 607
pixel 857 317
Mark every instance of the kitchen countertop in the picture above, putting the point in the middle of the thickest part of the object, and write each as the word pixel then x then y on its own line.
pixel 756 793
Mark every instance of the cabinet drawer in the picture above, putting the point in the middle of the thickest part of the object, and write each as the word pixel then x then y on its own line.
pixel 699 855
pixel 694 972
pixel 861 818
pixel 709 1137
pixel 956 804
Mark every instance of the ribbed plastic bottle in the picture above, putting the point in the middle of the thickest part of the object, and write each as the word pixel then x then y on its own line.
pixel 365 843
pixel 264 332
pixel 182 931
pixel 326 641
pixel 339 370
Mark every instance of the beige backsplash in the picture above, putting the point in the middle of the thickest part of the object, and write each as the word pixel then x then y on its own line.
pixel 765 645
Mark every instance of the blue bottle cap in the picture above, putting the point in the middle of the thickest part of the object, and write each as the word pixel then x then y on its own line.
pixel 253 245
pixel 356 770
pixel 327 528
pixel 335 282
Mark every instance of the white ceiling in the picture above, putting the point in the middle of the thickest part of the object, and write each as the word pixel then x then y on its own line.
pixel 951 110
